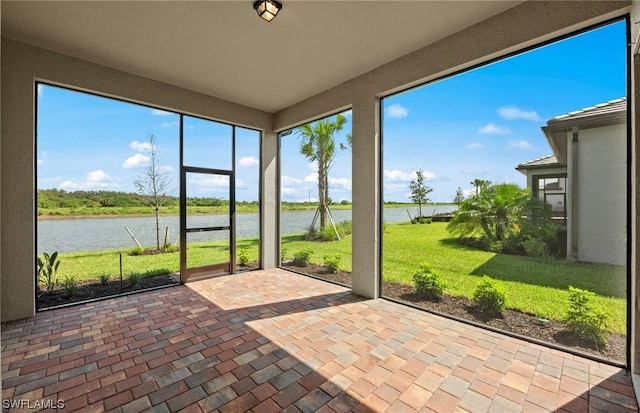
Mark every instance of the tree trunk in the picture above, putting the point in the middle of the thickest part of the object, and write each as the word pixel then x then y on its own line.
pixel 322 192
pixel 157 227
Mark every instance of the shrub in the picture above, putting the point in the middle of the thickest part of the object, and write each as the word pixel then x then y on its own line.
pixel 137 251
pixel 328 233
pixel 345 227
pixel 535 247
pixel 332 263
pixel 104 279
pixel 421 220
pixel 587 322
pixel 283 254
pixel 428 284
pixel 169 248
pixel 243 257
pixel 133 278
pixel 48 269
pixel 302 258
pixel 489 298
pixel 70 284
pixel 496 246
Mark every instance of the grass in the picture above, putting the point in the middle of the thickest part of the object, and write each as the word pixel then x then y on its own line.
pixel 538 286
pixel 533 285
pixel 90 265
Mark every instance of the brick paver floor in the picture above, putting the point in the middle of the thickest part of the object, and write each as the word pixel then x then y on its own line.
pixel 271 341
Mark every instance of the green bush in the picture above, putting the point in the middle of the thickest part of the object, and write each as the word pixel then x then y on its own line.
pixel 169 248
pixel 428 284
pixel 332 263
pixel 496 246
pixel 421 220
pixel 489 298
pixel 47 270
pixel 70 284
pixel 104 279
pixel 345 227
pixel 243 257
pixel 283 254
pixel 587 322
pixel 133 278
pixel 302 258
pixel 137 251
pixel 535 247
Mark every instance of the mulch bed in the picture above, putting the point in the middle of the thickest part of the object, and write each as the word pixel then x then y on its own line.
pixel 524 324
pixel 88 290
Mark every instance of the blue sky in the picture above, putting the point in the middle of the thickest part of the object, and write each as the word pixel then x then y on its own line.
pixel 479 124
pixel 87 142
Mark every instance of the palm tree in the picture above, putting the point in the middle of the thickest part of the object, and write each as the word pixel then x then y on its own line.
pixel 317 145
pixel 480 184
pixel 494 213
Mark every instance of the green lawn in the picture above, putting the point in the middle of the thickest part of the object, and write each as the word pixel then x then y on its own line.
pixel 538 286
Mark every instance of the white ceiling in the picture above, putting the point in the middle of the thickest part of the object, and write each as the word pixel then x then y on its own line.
pixel 222 48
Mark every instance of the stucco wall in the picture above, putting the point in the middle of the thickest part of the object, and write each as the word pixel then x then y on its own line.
pixel 23 64
pixel 602 195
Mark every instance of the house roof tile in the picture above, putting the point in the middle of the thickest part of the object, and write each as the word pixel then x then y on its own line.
pixel 548 160
pixel 612 106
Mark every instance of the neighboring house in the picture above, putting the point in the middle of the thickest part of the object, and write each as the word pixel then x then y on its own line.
pixel 585 180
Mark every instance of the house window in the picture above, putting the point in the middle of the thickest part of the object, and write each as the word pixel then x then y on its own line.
pixel 552 190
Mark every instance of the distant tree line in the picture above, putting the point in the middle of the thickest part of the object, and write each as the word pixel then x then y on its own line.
pixel 59 198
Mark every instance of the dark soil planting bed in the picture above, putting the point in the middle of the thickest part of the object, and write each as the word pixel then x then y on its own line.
pixel 89 290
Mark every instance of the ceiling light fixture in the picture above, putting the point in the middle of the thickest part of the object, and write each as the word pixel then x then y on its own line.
pixel 267 9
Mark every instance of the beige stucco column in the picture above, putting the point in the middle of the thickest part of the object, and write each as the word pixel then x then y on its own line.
pixel 366 196
pixel 269 200
pixel 17 224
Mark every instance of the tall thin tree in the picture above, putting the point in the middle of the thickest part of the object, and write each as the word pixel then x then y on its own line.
pixel 318 145
pixel 419 191
pixel 153 182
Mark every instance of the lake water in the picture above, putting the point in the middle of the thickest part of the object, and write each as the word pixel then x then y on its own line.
pixel 90 234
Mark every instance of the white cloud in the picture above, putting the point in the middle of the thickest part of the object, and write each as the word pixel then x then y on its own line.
pixel 159 112
pixel 97 179
pixel 140 146
pixel 287 180
pixel 512 112
pixel 475 145
pixel 397 111
pixel 169 124
pixel 249 161
pixel 521 144
pixel 311 177
pixel 313 166
pixel 397 175
pixel 136 161
pixel 340 183
pixel 40 90
pixel 492 129
pixel 42 157
pixel 213 183
pixel 287 191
